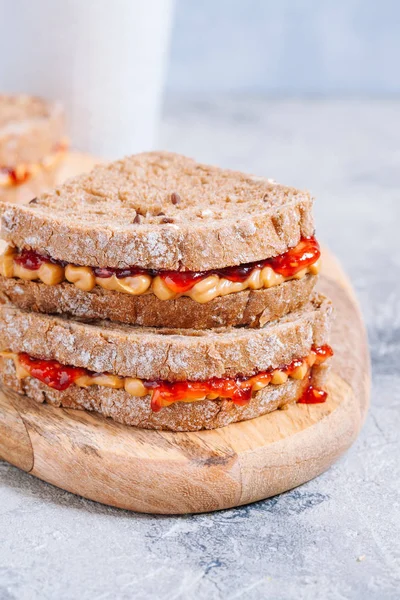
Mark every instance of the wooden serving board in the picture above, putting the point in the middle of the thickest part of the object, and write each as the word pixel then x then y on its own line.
pixel 174 473
pixel 162 472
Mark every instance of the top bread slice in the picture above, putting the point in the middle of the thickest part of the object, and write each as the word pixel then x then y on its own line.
pixel 160 210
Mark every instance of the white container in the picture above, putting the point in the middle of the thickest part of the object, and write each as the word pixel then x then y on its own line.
pixel 103 59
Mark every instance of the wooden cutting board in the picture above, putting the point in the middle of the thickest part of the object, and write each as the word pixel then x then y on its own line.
pixel 174 473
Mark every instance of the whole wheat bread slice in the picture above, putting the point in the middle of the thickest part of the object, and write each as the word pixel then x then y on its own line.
pixel 167 354
pixel 120 406
pixel 250 307
pixel 162 211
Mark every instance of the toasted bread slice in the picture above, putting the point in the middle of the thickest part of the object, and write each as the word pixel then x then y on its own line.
pixel 160 210
pixel 251 307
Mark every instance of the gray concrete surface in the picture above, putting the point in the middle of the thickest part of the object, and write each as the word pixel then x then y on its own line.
pixel 338 537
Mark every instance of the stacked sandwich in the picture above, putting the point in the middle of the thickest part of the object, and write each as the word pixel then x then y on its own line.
pixel 165 294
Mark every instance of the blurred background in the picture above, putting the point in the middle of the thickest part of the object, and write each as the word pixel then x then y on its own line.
pixel 290 47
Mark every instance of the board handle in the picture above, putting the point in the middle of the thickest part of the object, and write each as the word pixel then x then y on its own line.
pixel 15 443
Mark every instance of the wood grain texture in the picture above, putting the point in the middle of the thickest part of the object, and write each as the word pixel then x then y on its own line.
pixel 170 473
pixel 15 443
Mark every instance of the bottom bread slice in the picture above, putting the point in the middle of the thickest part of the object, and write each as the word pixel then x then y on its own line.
pixel 180 416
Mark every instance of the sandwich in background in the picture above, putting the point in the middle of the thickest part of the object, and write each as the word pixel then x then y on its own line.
pixel 32 145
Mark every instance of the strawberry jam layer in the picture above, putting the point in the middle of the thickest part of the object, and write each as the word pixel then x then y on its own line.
pixel 239 389
pixel 29 259
pixel 51 372
pixel 322 353
pixel 302 256
pixel 288 264
pixel 313 395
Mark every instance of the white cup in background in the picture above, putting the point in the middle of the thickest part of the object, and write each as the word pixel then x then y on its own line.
pixel 104 60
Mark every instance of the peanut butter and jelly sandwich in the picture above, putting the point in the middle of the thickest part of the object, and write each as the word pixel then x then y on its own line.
pixel 164 378
pixel 157 239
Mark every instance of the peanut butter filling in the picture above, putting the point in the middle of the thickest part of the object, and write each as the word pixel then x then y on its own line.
pixel 203 291
pixel 20 173
pixel 136 387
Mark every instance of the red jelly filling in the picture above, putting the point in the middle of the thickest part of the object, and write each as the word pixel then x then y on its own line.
pixel 165 392
pixel 294 260
pixel 288 264
pixel 313 395
pixel 181 282
pixel 119 273
pixel 31 260
pixel 238 389
pixel 322 352
pixel 51 372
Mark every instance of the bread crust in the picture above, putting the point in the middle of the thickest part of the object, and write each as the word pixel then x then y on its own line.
pixel 123 408
pixel 251 307
pixel 121 215
pixel 167 354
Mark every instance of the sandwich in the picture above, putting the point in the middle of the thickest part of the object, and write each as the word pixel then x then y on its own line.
pixel 164 294
pixel 32 145
pixel 159 240
pixel 167 378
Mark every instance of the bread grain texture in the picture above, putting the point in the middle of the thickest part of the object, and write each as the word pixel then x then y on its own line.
pixel 160 210
pixel 250 307
pixel 167 354
pixel 126 409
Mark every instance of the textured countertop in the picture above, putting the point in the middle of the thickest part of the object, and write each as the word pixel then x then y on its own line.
pixel 336 537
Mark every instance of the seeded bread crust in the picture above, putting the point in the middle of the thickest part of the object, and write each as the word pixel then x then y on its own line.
pixel 168 354
pixel 30 128
pixel 251 308
pixel 120 406
pixel 160 210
